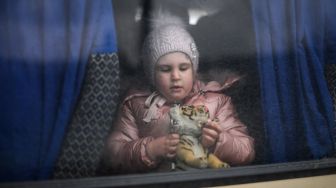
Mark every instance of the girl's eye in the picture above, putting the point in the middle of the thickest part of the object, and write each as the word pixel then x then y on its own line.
pixel 164 68
pixel 184 67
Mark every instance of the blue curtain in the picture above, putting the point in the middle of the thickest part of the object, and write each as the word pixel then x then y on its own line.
pixel 295 39
pixel 44 48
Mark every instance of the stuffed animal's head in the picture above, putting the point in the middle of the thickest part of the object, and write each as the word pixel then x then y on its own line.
pixel 188 119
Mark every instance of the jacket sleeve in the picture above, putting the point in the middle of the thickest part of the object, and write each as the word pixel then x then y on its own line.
pixel 125 150
pixel 234 145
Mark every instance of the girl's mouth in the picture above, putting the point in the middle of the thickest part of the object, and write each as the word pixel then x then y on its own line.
pixel 176 88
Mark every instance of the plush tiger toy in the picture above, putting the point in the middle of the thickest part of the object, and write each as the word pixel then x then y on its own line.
pixel 187 120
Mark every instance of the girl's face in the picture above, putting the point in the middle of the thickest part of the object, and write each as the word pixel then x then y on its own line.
pixel 174 76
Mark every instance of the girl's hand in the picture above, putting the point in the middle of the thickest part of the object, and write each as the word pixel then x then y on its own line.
pixel 210 133
pixel 164 146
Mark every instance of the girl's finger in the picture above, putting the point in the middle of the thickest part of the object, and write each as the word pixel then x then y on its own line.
pixel 172 149
pixel 208 139
pixel 174 136
pixel 210 132
pixel 213 125
pixel 170 155
pixel 173 142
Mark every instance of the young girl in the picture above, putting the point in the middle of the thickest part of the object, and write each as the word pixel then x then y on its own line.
pixel 141 140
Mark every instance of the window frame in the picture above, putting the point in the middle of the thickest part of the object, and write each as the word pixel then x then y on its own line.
pixel 204 177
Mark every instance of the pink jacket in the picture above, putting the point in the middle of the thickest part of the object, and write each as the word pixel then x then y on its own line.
pixel 144 116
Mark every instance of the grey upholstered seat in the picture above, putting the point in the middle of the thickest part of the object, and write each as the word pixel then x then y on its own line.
pixel 92 118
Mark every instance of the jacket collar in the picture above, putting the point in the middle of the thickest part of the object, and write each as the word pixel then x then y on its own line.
pixel 155 101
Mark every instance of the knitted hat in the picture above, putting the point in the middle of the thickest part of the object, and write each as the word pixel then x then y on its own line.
pixel 168 35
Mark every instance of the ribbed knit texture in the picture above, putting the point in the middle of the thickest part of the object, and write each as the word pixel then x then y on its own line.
pixel 164 40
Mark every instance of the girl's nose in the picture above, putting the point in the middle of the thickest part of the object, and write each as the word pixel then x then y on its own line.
pixel 175 75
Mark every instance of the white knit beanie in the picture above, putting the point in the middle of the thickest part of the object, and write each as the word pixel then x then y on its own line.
pixel 168 34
